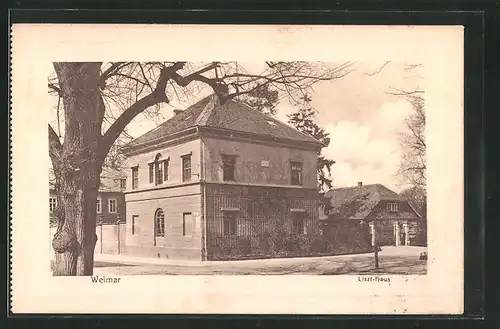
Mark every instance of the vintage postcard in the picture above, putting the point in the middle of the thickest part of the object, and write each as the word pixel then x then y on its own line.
pixel 237 169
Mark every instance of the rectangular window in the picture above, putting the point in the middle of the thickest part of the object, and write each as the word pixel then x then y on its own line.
pixel 134 218
pixel 112 206
pixel 392 207
pixel 52 204
pixel 165 170
pixel 186 224
pixel 296 171
pixel 298 224
pixel 229 223
pixel 98 206
pixel 123 183
pixel 151 173
pixel 159 173
pixel 228 165
pixel 135 177
pixel 186 168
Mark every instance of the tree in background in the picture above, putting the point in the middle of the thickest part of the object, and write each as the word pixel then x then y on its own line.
pixel 100 99
pixel 413 165
pixel 417 197
pixel 303 120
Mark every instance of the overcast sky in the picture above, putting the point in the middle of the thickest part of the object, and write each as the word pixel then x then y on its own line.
pixel 363 119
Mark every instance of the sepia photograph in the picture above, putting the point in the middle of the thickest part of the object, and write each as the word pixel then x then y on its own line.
pixel 237 168
pixel 286 170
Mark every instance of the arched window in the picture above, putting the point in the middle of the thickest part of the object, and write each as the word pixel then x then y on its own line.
pixel 159 223
pixel 158 170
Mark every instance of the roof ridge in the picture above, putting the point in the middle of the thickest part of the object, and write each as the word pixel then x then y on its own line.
pixel 207 111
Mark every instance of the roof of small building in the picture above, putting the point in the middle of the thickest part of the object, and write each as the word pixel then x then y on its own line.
pixel 110 179
pixel 357 202
pixel 233 115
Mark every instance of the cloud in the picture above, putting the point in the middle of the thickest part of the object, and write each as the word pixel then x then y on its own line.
pixel 360 157
pixel 393 114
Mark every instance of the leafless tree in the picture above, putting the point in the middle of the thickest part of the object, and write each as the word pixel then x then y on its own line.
pixel 413 163
pixel 100 99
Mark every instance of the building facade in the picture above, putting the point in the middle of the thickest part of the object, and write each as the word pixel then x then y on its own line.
pixel 372 212
pixel 110 207
pixel 219 182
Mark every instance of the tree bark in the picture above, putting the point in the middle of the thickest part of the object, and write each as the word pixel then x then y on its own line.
pixel 77 167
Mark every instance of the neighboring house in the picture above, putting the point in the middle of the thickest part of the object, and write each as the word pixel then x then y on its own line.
pixel 371 208
pixel 110 206
pixel 222 182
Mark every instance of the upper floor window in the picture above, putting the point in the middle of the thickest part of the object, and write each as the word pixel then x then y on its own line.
pixel 392 206
pixel 186 168
pixel 296 173
pixel 135 177
pixel 159 222
pixel 112 206
pixel 99 206
pixel 121 182
pixel 228 167
pixel 158 170
pixel 151 173
pixel 52 204
pixel 159 173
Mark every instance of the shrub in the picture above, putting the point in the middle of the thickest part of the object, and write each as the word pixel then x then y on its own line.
pixel 318 245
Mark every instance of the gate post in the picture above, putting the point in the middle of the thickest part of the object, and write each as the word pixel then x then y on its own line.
pixel 100 233
pixel 118 231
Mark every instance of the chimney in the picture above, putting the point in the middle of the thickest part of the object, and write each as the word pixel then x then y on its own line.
pixel 360 184
pixel 177 111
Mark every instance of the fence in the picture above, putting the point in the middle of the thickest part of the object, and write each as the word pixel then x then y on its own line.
pixel 110 238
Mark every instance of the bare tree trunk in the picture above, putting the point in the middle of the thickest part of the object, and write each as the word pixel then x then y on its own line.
pixel 75 239
pixel 77 167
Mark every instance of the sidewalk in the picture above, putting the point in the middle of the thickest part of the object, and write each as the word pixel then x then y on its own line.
pixel 134 260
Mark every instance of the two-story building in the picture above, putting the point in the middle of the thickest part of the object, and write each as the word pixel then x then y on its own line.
pixel 222 182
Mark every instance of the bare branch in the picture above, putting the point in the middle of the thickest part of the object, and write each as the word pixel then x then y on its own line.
pixel 157 96
pixel 55 88
pixel 400 92
pixel 114 67
pixel 55 146
pixel 379 69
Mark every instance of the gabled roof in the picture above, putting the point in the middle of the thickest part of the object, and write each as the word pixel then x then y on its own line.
pixel 110 179
pixel 357 202
pixel 233 115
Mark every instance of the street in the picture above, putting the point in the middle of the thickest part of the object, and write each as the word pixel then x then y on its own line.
pixel 392 260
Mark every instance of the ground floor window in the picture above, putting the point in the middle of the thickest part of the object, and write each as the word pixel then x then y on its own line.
pixel 187 224
pixel 134 219
pixel 298 226
pixel 229 223
pixel 159 223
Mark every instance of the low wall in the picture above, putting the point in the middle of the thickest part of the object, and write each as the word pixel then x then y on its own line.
pixel 110 238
